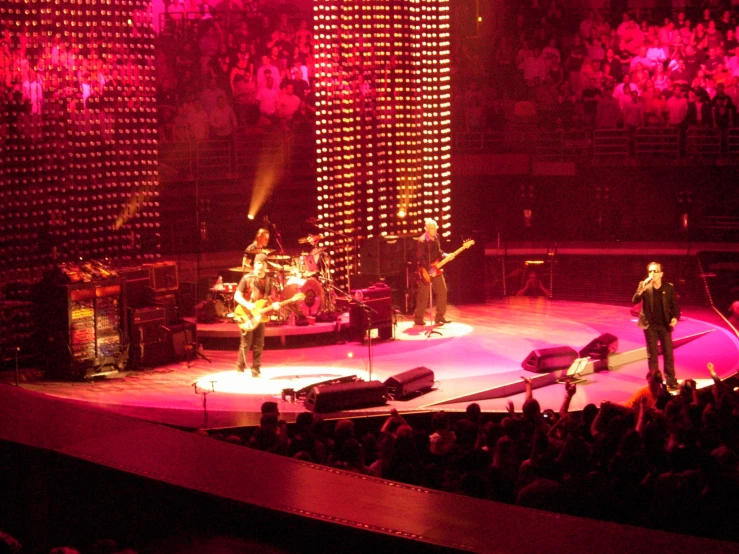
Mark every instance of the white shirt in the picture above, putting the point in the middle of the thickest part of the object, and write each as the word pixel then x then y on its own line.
pixel 287 105
pixel 262 79
pixel 732 64
pixel 677 109
pixel 656 54
pixel 267 98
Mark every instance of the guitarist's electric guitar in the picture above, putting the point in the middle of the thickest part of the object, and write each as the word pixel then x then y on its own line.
pixel 438 264
pixel 248 320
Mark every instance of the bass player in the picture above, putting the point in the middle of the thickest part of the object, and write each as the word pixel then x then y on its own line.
pixel 252 288
pixel 428 252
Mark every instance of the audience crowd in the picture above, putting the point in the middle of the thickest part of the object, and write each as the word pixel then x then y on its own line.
pixel 553 69
pixel 99 87
pixel 228 68
pixel 659 460
pixel 662 461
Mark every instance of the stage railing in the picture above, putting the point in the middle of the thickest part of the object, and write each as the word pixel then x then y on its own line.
pixel 652 144
pixel 224 159
pixel 544 145
pixel 214 159
pixel 642 146
pixel 703 144
pixel 732 146
pixel 610 146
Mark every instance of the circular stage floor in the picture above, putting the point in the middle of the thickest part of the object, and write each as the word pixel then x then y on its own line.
pixel 476 357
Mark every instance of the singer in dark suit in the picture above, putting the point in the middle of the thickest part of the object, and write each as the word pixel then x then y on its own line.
pixel 659 316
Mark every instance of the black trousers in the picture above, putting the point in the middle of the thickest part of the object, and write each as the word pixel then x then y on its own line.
pixel 438 285
pixel 251 340
pixel 660 335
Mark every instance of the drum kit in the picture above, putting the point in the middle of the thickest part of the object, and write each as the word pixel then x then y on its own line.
pixel 309 273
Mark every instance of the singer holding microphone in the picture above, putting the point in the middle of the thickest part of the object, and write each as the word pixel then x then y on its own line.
pixel 658 317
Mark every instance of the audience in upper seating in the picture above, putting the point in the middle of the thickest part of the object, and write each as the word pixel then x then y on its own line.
pixel 258 56
pixel 657 54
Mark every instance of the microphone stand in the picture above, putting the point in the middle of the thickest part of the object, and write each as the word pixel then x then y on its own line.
pixel 278 240
pixel 275 232
pixel 368 311
pixel 204 393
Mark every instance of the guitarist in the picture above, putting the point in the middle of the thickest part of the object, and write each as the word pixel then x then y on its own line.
pixel 252 287
pixel 428 251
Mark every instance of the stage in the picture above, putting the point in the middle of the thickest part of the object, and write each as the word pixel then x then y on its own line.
pixel 477 358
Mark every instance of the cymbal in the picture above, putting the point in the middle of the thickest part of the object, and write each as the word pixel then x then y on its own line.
pixel 240 269
pixel 259 250
pixel 310 239
pixel 277 267
pixel 278 257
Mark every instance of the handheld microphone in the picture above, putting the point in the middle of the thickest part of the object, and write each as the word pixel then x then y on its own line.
pixel 647 280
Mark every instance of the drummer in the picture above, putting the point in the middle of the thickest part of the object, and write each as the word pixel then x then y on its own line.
pixel 310 262
pixel 259 246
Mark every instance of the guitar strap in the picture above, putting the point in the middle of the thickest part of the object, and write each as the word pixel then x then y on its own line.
pixel 428 252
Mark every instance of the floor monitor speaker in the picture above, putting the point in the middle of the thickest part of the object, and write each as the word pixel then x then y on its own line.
pixel 545 360
pixel 347 396
pixel 601 347
pixel 418 379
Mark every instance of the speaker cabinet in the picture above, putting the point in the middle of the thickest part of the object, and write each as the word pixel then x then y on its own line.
pixel 387 254
pixel 545 360
pixel 348 396
pixel 305 391
pixel 149 345
pixel 136 281
pixel 418 379
pixel 600 348
pixel 379 316
pixel 179 336
pixel 163 276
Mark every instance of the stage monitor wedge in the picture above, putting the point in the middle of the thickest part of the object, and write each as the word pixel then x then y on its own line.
pixel 346 396
pixel 544 360
pixel 417 380
pixel 600 348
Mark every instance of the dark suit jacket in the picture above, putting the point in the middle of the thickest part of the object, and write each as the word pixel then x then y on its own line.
pixel 706 115
pixel 669 303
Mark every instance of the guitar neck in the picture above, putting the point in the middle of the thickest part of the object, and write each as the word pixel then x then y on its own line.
pixel 281 304
pixel 450 257
pixel 269 308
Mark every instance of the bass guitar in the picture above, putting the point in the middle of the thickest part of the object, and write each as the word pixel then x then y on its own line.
pixel 248 320
pixel 438 264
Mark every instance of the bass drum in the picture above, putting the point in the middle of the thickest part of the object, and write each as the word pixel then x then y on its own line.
pixel 313 302
pixel 220 307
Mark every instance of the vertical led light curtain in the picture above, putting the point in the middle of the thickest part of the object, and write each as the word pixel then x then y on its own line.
pixel 383 119
pixel 78 155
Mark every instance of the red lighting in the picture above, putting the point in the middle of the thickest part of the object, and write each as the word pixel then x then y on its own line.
pixel 383 118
